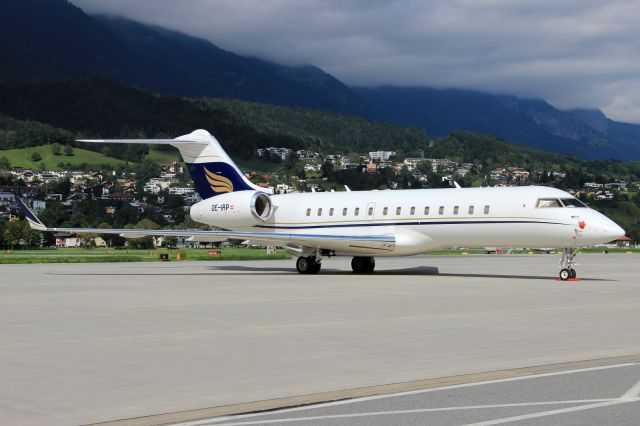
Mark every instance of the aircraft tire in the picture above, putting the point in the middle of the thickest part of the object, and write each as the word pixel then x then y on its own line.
pixel 572 273
pixel 564 274
pixel 304 265
pixel 363 264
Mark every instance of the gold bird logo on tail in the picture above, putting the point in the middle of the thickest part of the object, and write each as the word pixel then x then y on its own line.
pixel 218 183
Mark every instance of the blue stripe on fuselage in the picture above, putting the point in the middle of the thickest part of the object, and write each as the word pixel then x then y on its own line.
pixel 449 222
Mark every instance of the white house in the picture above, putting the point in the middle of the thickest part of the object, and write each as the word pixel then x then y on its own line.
pixel 381 155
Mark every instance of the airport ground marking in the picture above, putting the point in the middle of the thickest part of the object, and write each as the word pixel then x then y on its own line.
pixel 632 395
pixel 414 411
pixel 633 392
pixel 406 393
pixel 552 412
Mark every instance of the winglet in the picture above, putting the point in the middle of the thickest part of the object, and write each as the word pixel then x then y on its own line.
pixel 33 220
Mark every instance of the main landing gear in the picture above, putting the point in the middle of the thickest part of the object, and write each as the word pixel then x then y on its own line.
pixel 361 264
pixel 308 265
pixel 311 264
pixel 567 262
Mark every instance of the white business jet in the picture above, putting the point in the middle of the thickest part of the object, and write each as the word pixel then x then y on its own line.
pixel 364 224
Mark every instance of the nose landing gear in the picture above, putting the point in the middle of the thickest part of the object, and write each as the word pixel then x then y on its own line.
pixel 567 262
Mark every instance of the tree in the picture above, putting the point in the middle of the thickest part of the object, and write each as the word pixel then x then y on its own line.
pixel 4 163
pixel 17 233
pixel 12 233
pixel 170 242
pixel 68 150
pixel 36 157
pixel 30 237
pixel 56 149
pixel 112 240
pixel 144 242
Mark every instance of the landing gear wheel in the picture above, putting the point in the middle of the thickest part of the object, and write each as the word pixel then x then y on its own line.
pixel 567 262
pixel 303 265
pixel 361 264
pixel 307 265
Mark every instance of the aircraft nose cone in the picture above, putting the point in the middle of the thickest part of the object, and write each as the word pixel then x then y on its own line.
pixel 616 230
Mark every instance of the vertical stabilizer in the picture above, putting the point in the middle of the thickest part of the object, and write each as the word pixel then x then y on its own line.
pixel 212 170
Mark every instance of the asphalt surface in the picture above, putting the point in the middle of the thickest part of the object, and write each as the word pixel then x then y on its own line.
pixel 607 395
pixel 86 343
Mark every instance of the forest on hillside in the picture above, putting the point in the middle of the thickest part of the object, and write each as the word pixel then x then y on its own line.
pixel 38 113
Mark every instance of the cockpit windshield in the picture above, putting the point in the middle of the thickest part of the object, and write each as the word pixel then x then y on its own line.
pixel 572 202
pixel 555 202
pixel 548 202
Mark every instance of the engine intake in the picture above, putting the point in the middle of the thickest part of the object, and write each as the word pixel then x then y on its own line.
pixel 261 206
pixel 234 209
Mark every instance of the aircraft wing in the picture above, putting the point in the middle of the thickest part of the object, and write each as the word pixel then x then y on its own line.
pixel 329 241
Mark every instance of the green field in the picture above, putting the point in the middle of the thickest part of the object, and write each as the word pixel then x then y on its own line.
pixel 77 255
pixel 21 157
pixel 73 255
pixel 161 156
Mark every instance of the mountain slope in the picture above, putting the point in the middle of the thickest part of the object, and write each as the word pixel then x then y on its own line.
pixel 52 39
pixel 102 108
pixel 531 122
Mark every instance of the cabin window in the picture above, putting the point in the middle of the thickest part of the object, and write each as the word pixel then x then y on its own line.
pixel 544 203
pixel 320 211
pixel 344 211
pixel 456 209
pixel 441 210
pixel 572 202
pixel 398 210
pixel 486 209
pixel 308 212
pixel 385 211
pixel 412 211
pixel 426 211
pixel 331 211
pixel 356 212
pixel 370 211
pixel 470 209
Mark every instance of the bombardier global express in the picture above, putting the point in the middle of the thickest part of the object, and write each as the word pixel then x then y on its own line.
pixel 366 224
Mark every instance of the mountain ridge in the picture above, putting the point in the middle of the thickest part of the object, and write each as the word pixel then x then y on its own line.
pixel 55 40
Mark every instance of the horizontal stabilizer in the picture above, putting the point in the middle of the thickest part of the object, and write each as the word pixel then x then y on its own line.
pixel 147 141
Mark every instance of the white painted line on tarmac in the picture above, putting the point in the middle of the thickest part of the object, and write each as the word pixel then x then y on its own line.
pixel 632 393
pixel 406 393
pixel 553 412
pixel 419 410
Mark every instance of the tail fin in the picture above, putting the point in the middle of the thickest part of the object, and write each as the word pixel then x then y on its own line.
pixel 211 169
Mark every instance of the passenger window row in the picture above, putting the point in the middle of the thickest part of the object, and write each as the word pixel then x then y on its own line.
pixel 412 211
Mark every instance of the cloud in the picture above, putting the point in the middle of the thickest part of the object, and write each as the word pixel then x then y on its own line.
pixel 574 53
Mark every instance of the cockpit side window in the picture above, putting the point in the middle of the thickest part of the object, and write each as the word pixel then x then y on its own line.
pixel 572 202
pixel 548 202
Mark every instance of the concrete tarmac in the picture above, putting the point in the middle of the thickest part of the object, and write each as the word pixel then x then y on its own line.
pixel 86 343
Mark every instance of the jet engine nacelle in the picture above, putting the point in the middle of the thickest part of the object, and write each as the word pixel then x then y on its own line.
pixel 233 209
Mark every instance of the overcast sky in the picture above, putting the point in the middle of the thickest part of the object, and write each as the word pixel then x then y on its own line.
pixel 573 53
